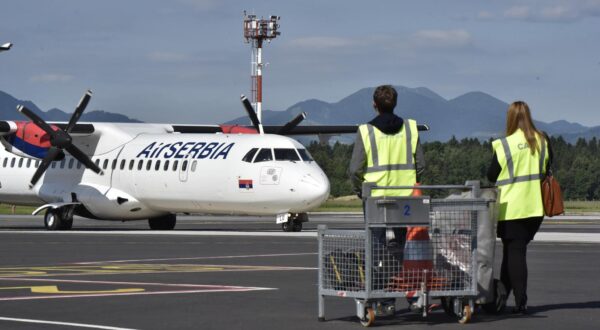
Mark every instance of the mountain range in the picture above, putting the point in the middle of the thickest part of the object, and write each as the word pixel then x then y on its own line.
pixel 8 111
pixel 472 115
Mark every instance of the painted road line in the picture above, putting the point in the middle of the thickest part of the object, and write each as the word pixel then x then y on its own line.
pixel 69 324
pixel 147 293
pixel 121 268
pixel 543 236
pixel 201 258
pixel 178 285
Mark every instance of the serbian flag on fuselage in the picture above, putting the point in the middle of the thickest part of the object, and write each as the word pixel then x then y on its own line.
pixel 245 184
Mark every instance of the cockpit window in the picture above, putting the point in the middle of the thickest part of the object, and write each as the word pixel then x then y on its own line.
pixel 305 155
pixel 286 154
pixel 264 155
pixel 248 157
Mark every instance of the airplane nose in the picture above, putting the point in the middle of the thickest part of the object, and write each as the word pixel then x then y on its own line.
pixel 316 187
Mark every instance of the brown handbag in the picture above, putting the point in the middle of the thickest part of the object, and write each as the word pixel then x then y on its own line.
pixel 552 196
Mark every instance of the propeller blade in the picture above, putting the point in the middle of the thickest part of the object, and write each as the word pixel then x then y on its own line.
pixel 251 113
pixel 36 120
pixel 85 99
pixel 293 123
pixel 50 156
pixel 83 158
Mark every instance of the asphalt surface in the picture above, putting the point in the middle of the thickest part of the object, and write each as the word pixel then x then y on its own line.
pixel 111 275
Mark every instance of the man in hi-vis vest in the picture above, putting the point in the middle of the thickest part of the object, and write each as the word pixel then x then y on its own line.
pixel 387 152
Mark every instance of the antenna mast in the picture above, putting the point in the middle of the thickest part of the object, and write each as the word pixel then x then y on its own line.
pixel 256 31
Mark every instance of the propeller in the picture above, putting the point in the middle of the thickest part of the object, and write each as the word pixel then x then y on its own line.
pixel 258 125
pixel 292 123
pixel 252 114
pixel 60 140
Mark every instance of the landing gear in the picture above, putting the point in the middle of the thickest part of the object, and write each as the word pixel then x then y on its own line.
pixel 166 222
pixel 59 219
pixel 294 222
pixel 458 307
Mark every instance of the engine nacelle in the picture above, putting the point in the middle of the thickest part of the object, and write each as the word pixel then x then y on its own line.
pixel 25 139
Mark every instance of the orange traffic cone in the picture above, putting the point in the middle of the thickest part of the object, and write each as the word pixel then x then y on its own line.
pixel 416 191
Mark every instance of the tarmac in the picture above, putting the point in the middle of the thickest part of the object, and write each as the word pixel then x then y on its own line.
pixel 244 273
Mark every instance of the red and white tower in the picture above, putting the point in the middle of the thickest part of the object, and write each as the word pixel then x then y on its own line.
pixel 256 31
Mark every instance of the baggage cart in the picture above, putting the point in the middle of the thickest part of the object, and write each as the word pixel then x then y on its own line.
pixel 432 256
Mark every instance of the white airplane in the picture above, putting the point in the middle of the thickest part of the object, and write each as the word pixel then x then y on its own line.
pixel 122 171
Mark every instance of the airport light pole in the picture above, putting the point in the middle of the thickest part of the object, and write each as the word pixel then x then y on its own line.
pixel 5 47
pixel 256 31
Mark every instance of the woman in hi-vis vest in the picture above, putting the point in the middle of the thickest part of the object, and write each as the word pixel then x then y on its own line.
pixel 518 165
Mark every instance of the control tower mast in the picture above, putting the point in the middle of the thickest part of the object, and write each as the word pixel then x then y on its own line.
pixel 256 31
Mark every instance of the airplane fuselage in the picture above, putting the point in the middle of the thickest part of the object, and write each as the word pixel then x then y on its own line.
pixel 149 171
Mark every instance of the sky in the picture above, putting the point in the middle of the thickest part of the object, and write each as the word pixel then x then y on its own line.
pixel 185 61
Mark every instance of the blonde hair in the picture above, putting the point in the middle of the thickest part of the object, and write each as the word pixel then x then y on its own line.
pixel 519 116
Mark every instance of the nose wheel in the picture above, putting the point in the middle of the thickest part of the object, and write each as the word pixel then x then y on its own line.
pixel 294 223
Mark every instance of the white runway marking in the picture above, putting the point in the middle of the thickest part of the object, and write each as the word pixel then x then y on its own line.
pixel 201 258
pixel 540 236
pixel 69 324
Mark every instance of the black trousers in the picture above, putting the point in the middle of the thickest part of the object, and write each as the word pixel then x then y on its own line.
pixel 513 272
pixel 516 235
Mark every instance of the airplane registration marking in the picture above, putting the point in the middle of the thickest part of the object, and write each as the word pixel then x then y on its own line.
pixel 53 289
pixel 75 270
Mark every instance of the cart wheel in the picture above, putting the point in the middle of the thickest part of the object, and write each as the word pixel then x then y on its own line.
pixel 466 317
pixel 369 318
pixel 448 306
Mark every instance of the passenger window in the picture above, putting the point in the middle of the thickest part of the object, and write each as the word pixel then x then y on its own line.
pixel 175 163
pixel 194 164
pixel 114 164
pixel 78 164
pixel 28 162
pixel 97 162
pixel 248 157
pixel 12 162
pixel 131 162
pixel 37 163
pixel 105 164
pixel 53 165
pixel 71 161
pixel 20 162
pixel 123 161
pixel 264 155
pixel 286 154
pixel 166 168
pixel 140 164
pixel 305 155
pixel 149 165
pixel 157 166
pixel 5 162
pixel 184 165
pixel 62 163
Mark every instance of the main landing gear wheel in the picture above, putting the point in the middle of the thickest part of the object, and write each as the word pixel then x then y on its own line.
pixel 58 219
pixel 369 317
pixel 458 307
pixel 166 222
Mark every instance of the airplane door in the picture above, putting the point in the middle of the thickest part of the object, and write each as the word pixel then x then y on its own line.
pixel 183 171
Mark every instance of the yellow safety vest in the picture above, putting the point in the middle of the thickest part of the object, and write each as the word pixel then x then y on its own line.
pixel 519 181
pixel 391 158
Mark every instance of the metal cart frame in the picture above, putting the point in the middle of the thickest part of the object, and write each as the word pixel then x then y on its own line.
pixel 352 263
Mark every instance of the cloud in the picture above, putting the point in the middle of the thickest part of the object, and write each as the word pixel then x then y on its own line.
pixel 442 38
pixel 51 77
pixel 518 12
pixel 168 57
pixel 561 12
pixel 322 43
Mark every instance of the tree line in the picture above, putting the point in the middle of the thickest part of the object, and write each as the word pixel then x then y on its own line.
pixel 575 166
